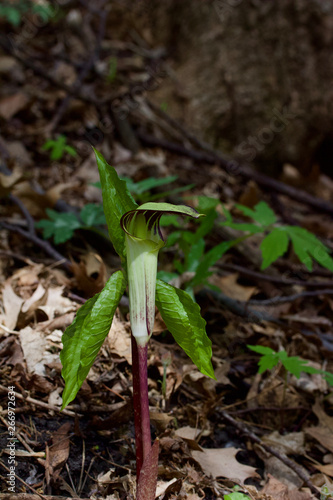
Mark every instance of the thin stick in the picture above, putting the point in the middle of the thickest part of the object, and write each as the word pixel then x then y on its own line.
pixel 42 404
pixel 23 482
pixel 235 168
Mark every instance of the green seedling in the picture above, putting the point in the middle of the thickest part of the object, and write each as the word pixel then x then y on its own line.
pixel 136 237
pixel 293 364
pixel 277 238
pixel 14 11
pixel 306 245
pixel 236 495
pixel 112 73
pixel 61 226
pixel 59 148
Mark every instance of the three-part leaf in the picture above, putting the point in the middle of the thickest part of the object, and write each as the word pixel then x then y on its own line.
pixel 307 247
pixel 262 213
pixel 60 225
pixel 84 337
pixel 182 318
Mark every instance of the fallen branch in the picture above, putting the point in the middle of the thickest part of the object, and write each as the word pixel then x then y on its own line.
pixel 274 279
pixel 45 245
pixel 289 298
pixel 233 167
pixel 47 406
pixel 281 456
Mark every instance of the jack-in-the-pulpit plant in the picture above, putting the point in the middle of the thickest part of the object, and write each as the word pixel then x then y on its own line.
pixel 135 234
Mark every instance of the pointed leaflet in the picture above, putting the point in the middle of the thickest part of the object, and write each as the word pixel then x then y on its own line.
pixel 308 247
pixel 262 213
pixel 182 318
pixel 116 201
pixel 273 246
pixel 84 337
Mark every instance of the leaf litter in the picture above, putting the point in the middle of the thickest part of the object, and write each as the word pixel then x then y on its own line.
pixel 202 455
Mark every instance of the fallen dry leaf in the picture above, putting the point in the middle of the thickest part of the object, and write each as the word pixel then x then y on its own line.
pixel 279 491
pixel 12 304
pixel 56 304
pixel 12 104
pixel 33 344
pixel 189 434
pixel 59 450
pixel 7 182
pixel 323 433
pixel 119 339
pixel 229 286
pixel 90 273
pixel 222 462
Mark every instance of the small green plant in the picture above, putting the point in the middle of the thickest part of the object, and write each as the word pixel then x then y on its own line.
pixel 195 259
pixel 326 493
pixel 135 234
pixel 236 495
pixel 59 148
pixel 275 244
pixel 141 190
pixel 61 226
pixel 112 73
pixel 14 11
pixel 293 364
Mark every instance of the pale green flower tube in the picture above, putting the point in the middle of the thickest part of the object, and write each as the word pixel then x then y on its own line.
pixel 142 247
pixel 143 241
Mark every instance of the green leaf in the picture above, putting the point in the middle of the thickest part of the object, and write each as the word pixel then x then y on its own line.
pixel 60 225
pixel 307 247
pixel 236 496
pixel 150 183
pixel 182 318
pixel 206 204
pixel 83 339
pixel 93 215
pixel 170 220
pixel 273 246
pixel 251 228
pixel 70 150
pixel 194 255
pixel 167 276
pixel 116 201
pixel 209 259
pixel 206 226
pixel 261 349
pixel 262 213
pixel 294 365
pixel 169 209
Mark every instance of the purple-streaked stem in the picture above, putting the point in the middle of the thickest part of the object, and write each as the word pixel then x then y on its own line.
pixel 140 404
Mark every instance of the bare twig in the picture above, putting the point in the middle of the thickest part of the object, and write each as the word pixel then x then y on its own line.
pixel 233 167
pixel 25 212
pixel 290 298
pixel 47 406
pixel 23 482
pixel 281 456
pixel 45 245
pixel 274 279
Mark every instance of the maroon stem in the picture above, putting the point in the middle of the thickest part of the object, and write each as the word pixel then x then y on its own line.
pixel 140 404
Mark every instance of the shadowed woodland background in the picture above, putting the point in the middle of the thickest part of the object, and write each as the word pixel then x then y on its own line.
pixel 233 100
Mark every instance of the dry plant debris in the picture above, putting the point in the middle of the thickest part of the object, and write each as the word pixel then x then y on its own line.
pixel 59 83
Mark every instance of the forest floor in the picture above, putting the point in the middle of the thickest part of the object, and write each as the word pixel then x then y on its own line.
pixel 269 435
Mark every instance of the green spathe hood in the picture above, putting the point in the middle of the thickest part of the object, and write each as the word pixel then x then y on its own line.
pixel 143 241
